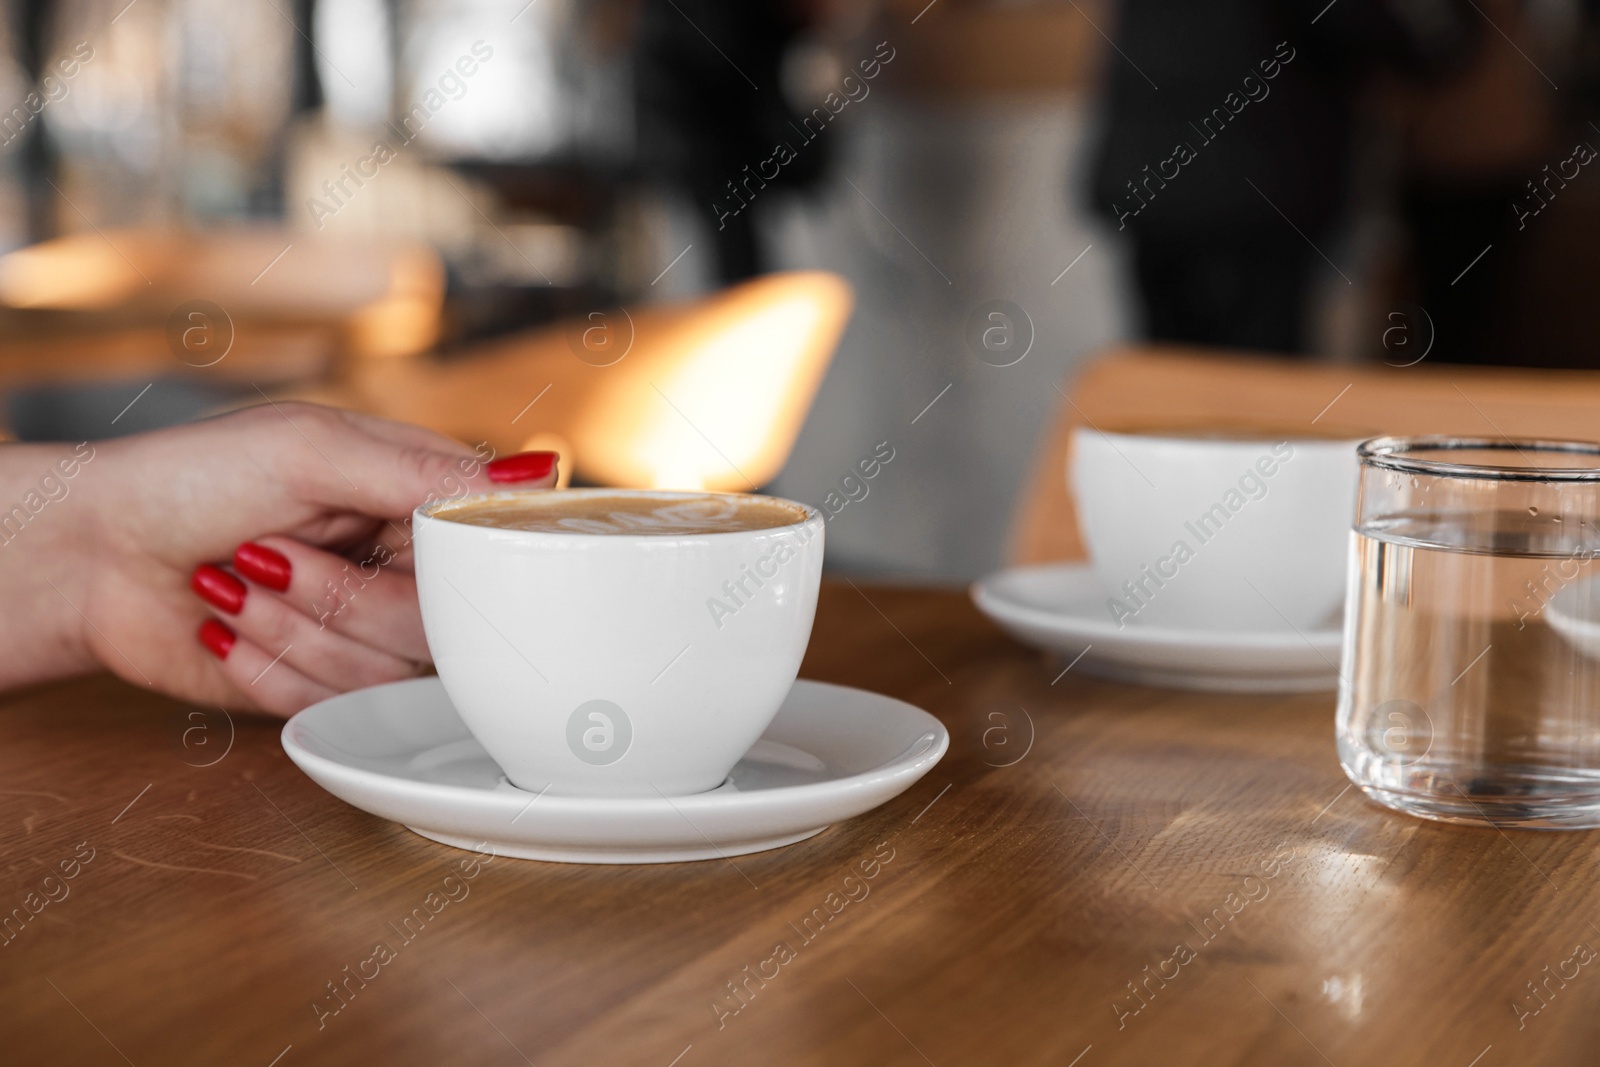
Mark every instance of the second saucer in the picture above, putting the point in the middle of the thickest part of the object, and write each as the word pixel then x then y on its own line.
pixel 1060 607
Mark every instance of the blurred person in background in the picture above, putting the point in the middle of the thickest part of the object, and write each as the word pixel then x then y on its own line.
pixel 1497 198
pixel 1226 151
pixel 708 82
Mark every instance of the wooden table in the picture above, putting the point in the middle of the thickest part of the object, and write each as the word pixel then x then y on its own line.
pixel 1023 904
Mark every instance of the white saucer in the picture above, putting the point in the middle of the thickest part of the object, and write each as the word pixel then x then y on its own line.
pixel 400 752
pixel 1061 607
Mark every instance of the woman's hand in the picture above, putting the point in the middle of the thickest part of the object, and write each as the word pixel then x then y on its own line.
pixel 258 559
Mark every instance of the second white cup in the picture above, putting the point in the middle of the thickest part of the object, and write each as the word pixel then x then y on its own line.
pixel 1216 533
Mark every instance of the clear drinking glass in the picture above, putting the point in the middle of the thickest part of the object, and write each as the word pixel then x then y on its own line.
pixel 1471 682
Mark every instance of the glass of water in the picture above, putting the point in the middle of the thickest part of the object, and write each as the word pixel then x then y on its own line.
pixel 1470 690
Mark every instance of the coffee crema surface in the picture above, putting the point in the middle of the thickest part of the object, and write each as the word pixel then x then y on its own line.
pixel 623 514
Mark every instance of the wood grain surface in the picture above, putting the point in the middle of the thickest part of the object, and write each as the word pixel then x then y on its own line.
pixel 1096 874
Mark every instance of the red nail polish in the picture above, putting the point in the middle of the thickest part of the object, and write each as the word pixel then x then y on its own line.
pixel 216 637
pixel 522 467
pixel 264 565
pixel 218 588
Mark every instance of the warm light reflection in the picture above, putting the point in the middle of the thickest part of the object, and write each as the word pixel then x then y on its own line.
pixel 386 294
pixel 705 395
pixel 405 320
pixel 671 475
pixel 80 272
pixel 1325 885
pixel 723 392
pixel 1345 992
pixel 714 399
pixel 1337 869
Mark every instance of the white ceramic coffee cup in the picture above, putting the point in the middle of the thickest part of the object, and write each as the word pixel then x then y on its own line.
pixel 616 665
pixel 1207 532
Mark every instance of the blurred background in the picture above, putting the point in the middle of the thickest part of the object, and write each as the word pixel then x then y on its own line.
pixel 489 215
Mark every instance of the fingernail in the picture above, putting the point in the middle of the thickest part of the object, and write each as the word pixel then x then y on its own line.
pixel 522 467
pixel 216 637
pixel 218 588
pixel 264 565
